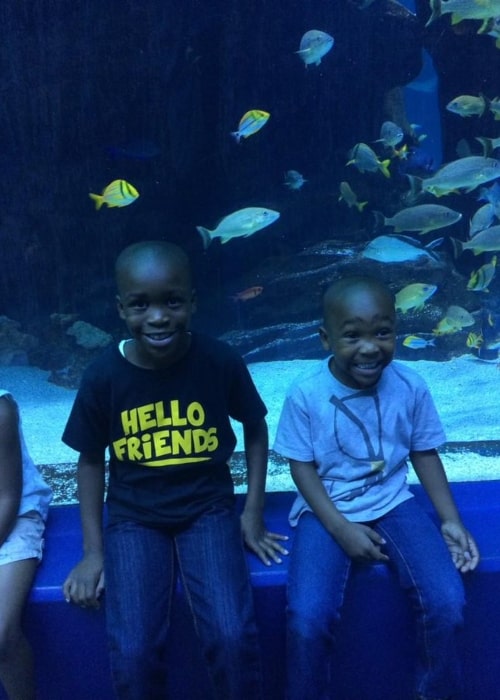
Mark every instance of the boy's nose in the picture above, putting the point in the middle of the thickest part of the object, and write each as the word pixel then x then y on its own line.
pixel 159 314
pixel 369 346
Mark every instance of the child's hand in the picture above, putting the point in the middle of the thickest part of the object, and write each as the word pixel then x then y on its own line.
pixel 85 583
pixel 266 545
pixel 461 544
pixel 360 542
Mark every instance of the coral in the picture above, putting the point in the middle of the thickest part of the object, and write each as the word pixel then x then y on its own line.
pixel 88 336
pixel 14 345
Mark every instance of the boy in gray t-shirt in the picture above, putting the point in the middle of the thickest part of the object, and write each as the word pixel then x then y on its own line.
pixel 348 430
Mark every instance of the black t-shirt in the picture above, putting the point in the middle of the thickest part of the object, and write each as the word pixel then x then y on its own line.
pixel 168 431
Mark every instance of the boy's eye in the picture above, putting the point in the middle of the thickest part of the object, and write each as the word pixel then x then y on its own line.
pixel 175 302
pixel 385 333
pixel 137 304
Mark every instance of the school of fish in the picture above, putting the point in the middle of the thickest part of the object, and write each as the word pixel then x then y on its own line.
pixel 394 232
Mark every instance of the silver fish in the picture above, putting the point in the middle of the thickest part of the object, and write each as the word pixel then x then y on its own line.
pixel 483 218
pixel 397 249
pixel 487 241
pixel 464 9
pixel 461 174
pixel 243 222
pixel 422 218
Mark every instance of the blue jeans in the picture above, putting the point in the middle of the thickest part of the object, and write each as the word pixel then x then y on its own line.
pixel 318 574
pixel 141 565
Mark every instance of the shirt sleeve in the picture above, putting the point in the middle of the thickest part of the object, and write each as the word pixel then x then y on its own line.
pixel 293 436
pixel 245 402
pixel 87 428
pixel 428 432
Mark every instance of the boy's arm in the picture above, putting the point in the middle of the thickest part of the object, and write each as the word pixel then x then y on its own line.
pixel 11 469
pixel 266 545
pixel 430 471
pixel 85 582
pixel 359 541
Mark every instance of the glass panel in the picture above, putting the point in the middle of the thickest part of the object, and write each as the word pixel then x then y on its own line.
pixel 282 145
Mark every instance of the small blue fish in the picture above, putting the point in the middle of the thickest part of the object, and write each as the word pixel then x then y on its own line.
pixel 492 196
pixel 365 158
pixel 391 134
pixel 415 342
pixel 251 122
pixel 314 45
pixel 293 180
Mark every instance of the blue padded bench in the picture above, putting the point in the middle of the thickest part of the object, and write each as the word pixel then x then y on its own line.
pixel 373 663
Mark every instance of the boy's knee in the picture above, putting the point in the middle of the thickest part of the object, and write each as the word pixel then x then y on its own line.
pixel 308 624
pixel 448 611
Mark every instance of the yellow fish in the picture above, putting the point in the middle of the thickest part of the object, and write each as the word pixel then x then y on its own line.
pixel 455 319
pixel 118 193
pixel 414 296
pixel 251 122
pixel 350 197
pixel 474 340
pixel 480 279
pixel 464 9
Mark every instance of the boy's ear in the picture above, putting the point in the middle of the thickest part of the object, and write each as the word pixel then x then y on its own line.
pixel 323 336
pixel 193 300
pixel 119 307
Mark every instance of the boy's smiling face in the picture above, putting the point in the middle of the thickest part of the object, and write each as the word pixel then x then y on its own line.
pixel 359 330
pixel 156 302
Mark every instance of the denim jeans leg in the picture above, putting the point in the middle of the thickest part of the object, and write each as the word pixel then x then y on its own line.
pixel 215 576
pixel 140 572
pixel 419 555
pixel 317 578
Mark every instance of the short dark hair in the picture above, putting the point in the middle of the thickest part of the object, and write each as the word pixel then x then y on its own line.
pixel 142 250
pixel 336 290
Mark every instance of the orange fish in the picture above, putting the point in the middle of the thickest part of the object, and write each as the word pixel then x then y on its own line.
pixel 247 294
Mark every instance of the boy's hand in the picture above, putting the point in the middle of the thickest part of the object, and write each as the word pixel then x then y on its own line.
pixel 266 545
pixel 360 542
pixel 85 583
pixel 461 544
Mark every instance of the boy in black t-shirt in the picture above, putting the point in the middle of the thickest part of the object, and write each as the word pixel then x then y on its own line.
pixel 161 402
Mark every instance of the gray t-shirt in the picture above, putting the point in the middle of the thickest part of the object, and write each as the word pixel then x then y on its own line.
pixel 359 439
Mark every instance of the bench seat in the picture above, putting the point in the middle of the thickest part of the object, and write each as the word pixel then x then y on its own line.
pixel 374 661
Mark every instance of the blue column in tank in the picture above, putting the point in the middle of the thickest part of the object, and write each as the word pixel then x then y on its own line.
pixel 422 103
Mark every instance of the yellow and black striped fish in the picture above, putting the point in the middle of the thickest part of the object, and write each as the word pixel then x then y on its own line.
pixel 118 193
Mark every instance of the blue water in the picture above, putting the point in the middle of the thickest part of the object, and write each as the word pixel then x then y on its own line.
pixel 150 94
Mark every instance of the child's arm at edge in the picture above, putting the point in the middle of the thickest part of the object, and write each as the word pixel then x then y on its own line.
pixel 85 582
pixel 11 471
pixel 266 545
pixel 430 471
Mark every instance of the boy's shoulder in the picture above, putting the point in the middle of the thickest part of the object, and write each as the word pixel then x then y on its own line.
pixel 404 372
pixel 103 365
pixel 215 348
pixel 310 375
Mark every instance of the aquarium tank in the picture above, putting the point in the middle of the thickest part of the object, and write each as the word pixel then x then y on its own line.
pixel 283 145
